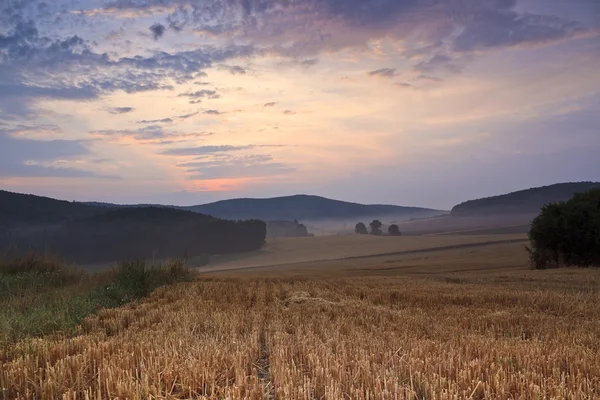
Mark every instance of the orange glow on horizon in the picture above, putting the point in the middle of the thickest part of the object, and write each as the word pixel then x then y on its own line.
pixel 218 185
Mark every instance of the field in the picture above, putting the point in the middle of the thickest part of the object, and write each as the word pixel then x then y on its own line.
pixel 452 317
pixel 346 251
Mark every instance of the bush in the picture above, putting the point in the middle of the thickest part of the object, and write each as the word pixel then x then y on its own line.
pixel 376 227
pixel 134 279
pixel 567 233
pixel 51 269
pixel 394 230
pixel 361 229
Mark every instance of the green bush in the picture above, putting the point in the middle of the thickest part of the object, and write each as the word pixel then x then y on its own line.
pixel 567 233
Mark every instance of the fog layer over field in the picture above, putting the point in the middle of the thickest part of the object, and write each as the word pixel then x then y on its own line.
pixel 428 224
pixel 335 226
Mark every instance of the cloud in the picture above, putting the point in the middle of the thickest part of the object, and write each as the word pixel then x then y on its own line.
pixel 158 30
pixel 271 104
pixel 231 166
pixel 492 29
pixel 120 110
pixel 436 62
pixel 201 94
pixel 186 116
pixel 203 150
pixel 384 72
pixel 213 112
pixel 151 133
pixel 303 29
pixel 154 121
pixel 429 78
pixel 42 171
pixel 34 67
pixel 289 112
pixel 309 26
pixel 194 151
pixel 39 158
pixel 233 69
pixel 168 120
pixel 310 62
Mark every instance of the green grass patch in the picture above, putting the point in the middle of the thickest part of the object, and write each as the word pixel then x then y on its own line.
pixel 40 295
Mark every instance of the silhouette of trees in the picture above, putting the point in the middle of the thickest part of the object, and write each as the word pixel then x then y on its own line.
pixel 376 227
pixel 567 233
pixel 394 230
pixel 301 230
pixel 361 229
pixel 144 232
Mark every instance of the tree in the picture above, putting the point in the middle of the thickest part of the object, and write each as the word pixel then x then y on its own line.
pixel 301 230
pixel 394 230
pixel 567 233
pixel 361 229
pixel 376 227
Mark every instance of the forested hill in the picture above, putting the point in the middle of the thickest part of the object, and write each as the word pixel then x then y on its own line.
pixel 528 201
pixel 17 208
pixel 303 207
pixel 153 232
pixel 92 234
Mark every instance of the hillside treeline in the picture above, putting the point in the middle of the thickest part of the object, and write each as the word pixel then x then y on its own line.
pixel 18 209
pixel 567 233
pixel 277 229
pixel 144 232
pixel 528 201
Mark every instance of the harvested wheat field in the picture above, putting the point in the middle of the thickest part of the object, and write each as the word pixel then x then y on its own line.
pixel 287 251
pixel 380 332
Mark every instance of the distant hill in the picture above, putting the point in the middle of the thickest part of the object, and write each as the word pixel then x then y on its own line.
pixel 528 201
pixel 86 233
pixel 303 207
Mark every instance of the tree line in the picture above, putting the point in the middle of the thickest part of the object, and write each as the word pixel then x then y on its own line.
pixel 376 229
pixel 567 233
pixel 146 232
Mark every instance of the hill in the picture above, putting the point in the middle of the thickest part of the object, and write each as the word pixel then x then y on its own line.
pixel 91 234
pixel 528 201
pixel 302 207
pixel 153 232
pixel 28 209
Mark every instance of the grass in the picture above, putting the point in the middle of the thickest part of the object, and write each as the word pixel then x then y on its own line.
pixel 40 295
pixel 415 331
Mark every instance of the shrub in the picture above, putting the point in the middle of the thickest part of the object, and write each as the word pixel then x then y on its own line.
pixel 361 229
pixel 376 227
pixel 394 230
pixel 567 233
pixel 51 269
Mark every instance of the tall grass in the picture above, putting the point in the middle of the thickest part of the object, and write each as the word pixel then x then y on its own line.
pixel 40 294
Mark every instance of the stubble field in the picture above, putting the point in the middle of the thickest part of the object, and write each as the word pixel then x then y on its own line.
pixel 434 322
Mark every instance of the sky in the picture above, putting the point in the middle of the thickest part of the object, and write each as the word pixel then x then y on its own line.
pixel 410 102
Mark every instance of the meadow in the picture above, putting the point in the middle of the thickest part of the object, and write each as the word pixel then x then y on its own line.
pixel 459 320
